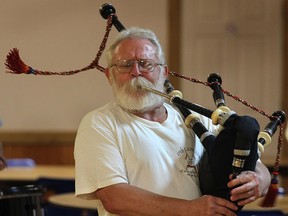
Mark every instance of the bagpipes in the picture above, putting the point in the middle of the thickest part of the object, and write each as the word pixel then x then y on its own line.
pixel 239 143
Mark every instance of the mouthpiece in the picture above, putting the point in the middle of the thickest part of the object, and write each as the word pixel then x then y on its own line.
pixel 106 10
pixel 168 97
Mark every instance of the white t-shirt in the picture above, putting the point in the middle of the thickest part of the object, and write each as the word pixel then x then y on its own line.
pixel 113 146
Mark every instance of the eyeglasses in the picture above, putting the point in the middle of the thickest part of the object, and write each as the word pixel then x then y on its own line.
pixel 144 65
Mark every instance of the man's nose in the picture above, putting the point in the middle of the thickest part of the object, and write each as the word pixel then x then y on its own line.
pixel 135 72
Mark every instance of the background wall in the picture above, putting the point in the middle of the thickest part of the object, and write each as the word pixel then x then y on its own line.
pixel 60 36
pixel 242 41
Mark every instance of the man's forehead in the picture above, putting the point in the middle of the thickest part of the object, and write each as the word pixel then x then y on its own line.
pixel 135 45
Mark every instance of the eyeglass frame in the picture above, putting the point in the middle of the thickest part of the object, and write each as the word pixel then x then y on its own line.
pixel 140 68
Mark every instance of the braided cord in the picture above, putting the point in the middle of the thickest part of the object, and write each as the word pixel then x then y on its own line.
pixel 279 147
pixel 95 63
pixel 16 66
pixel 244 102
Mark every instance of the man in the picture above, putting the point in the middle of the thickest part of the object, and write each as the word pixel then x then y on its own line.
pixel 135 155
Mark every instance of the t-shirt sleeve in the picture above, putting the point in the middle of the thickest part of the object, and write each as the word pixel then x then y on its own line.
pixel 98 159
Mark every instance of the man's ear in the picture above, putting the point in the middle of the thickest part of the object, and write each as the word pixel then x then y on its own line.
pixel 166 72
pixel 108 75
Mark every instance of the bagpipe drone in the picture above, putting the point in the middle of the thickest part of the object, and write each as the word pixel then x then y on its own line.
pixel 239 143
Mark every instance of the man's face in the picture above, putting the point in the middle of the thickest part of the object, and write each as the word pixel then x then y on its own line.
pixel 126 85
pixel 135 49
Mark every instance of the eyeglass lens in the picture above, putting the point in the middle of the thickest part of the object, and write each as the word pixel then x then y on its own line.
pixel 125 66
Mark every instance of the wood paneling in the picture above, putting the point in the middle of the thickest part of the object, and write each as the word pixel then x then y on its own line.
pixel 284 155
pixel 49 148
pixel 174 39
pixel 285 71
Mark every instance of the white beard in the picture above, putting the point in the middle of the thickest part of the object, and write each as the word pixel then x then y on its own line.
pixel 131 97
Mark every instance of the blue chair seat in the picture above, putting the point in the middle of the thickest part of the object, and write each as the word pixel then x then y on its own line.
pixel 24 162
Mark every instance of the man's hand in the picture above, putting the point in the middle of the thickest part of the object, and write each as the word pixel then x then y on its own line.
pixel 246 188
pixel 210 205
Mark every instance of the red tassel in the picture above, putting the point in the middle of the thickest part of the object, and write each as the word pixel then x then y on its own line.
pixel 271 195
pixel 15 64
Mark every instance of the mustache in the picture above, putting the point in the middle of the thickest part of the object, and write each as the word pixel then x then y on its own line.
pixel 138 84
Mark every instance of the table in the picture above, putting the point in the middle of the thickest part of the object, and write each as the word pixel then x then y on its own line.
pixel 54 180
pixel 69 200
pixel 37 172
pixel 280 204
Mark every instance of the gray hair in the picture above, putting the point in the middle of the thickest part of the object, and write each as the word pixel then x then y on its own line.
pixel 135 32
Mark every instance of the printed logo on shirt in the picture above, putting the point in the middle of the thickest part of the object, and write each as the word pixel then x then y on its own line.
pixel 188 160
